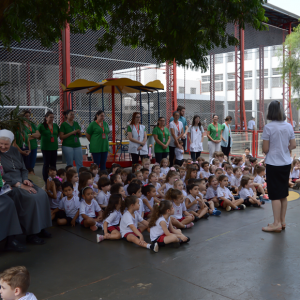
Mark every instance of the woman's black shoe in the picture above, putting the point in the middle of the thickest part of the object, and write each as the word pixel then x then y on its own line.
pixel 34 239
pixel 15 245
pixel 45 234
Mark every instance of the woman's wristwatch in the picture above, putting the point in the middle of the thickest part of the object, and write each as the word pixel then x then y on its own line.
pixel 19 185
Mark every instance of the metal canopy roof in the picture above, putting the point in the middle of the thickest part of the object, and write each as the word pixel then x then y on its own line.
pixel 279 17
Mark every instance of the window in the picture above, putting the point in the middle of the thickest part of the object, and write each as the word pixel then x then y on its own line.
pixel 266 73
pixel 231 75
pixel 276 50
pixel 181 90
pixel 219 59
pixel 276 82
pixel 231 85
pixel 230 57
pixel 205 87
pixel 266 83
pixel 218 77
pixel 276 71
pixel 266 53
pixel 206 78
pixel 219 86
pixel 193 90
pixel 248 54
pixel 248 84
pixel 248 74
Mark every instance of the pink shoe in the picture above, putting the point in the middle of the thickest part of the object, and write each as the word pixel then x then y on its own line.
pixel 94 228
pixel 265 197
pixel 190 225
pixel 100 238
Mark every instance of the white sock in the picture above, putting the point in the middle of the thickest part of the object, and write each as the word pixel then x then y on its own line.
pixel 148 246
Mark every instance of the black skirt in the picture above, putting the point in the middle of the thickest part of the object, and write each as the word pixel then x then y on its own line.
pixel 278 181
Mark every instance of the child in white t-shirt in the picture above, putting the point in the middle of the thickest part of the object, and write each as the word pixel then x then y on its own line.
pixel 236 180
pixel 247 193
pixel 225 197
pixel 295 171
pixel 153 180
pixel 134 189
pixel 164 166
pixel 95 169
pixel 104 185
pixel 259 182
pixel 156 170
pixel 179 151
pixel 72 176
pixel 205 172
pixel 55 195
pixel 162 231
pixel 149 198
pixel 129 223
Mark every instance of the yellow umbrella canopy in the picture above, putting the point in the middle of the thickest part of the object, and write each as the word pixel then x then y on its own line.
pixel 79 85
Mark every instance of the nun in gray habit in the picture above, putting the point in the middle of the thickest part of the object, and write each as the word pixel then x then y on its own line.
pixel 31 202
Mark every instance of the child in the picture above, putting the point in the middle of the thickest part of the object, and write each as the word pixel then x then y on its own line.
pixel 148 197
pixel 229 174
pixel 103 173
pixel 61 173
pixel 139 175
pixel 115 178
pixel 253 162
pixel 124 175
pixel 181 218
pixel 211 193
pixel 51 176
pixel 225 197
pixel 220 157
pixel 200 160
pixel 82 170
pixel 161 230
pixel 246 171
pixel 247 194
pixel 134 189
pixel 86 179
pixel 145 173
pixel 129 223
pixel 179 185
pixel 179 153
pixel 130 176
pixel 191 173
pixel 14 283
pixel 114 168
pixel 69 167
pixel 136 168
pixel 68 206
pixel 104 194
pixel 146 163
pixel 238 162
pixel 194 204
pixel 205 172
pixel 236 180
pixel 164 166
pixel 215 162
pixel 259 182
pixel 152 179
pixel 295 171
pixel 156 169
pixel 182 173
pixel 218 172
pixel 111 217
pixel 89 209
pixel 54 195
pixel 72 176
pixel 95 170
pixel 170 178
pixel 118 188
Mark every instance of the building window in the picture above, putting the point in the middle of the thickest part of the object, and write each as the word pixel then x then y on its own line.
pixel 218 77
pixel 276 71
pixel 206 78
pixel 219 86
pixel 276 50
pixel 266 53
pixel 248 84
pixel 230 57
pixel 276 82
pixel 248 74
pixel 231 76
pixel 193 90
pixel 248 54
pixel 219 59
pixel 266 73
pixel 205 87
pixel 230 85
pixel 181 90
pixel 266 83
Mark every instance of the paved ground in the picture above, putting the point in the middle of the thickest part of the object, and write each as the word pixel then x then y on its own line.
pixel 228 257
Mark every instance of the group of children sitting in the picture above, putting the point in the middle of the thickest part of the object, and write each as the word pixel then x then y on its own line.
pixel 155 198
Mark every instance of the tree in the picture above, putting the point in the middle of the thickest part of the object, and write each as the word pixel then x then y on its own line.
pixel 290 64
pixel 182 29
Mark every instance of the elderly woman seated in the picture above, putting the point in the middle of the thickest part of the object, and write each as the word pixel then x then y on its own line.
pixel 31 202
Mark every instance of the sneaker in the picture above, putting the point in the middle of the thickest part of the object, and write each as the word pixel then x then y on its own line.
pixel 262 202
pixel 265 197
pixel 228 208
pixel 182 242
pixel 190 225
pixel 99 224
pixel 100 238
pixel 196 219
pixel 206 216
pixel 216 212
pixel 154 247
pixel 242 206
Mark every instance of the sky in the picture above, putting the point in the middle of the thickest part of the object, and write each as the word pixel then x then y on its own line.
pixel 289 5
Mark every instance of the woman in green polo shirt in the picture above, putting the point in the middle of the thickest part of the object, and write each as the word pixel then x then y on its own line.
pixel 69 133
pixel 162 139
pixel 97 134
pixel 214 135
pixel 49 142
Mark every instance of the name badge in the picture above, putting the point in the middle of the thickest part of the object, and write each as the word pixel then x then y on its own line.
pixel 75 139
pixel 164 140
pixel 52 139
pixel 103 135
pixel 217 134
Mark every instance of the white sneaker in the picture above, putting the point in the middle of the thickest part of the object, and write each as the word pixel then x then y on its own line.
pixel 100 238
pixel 154 247
pixel 228 208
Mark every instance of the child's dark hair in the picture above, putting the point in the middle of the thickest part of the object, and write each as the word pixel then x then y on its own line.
pixel 67 184
pixel 153 167
pixel 248 156
pixel 196 166
pixel 222 177
pixel 189 171
pixel 130 176
pixel 133 188
pixel 83 191
pixel 189 187
pixel 237 160
pixel 258 169
pixel 51 168
pixel 135 180
pixel 170 174
pixel 83 179
pixel 228 167
pixel 252 159
pixel 204 164
pixel 144 170
pixel 60 172
pixel 235 169
pixel 245 180
pixel 246 169
pixel 57 183
pixel 70 174
pixel 224 164
pixel 113 201
pixel 210 179
pixel 93 167
pixel 147 188
pixel 102 182
pixel 173 194
pixel 115 188
pixel 247 148
pixel 68 167
pixel 93 175
pixel 134 167
pixel 176 167
pixel 218 170
pixel 83 169
pixel 191 180
pixel 199 180
pixel 113 166
pixel 113 178
pixel 130 200
pixel 158 210
pixel 102 172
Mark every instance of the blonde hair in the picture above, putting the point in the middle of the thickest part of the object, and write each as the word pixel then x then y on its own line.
pixel 17 277
pixel 145 159
pixel 163 160
pixel 177 181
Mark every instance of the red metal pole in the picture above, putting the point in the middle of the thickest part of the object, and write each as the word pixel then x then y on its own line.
pixel 66 63
pixel 242 81
pixel 174 85
pixel 28 83
pixel 113 120
pixel 60 73
pixel 290 85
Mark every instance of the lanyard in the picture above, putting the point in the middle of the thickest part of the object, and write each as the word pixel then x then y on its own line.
pixel 177 125
pixel 137 130
pixel 163 131
pixel 102 127
pixel 51 130
pixel 29 127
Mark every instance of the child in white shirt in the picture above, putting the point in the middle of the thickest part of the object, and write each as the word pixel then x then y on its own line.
pixel 179 151
pixel 205 172
pixel 247 193
pixel 236 180
pixel 259 182
pixel 104 194
pixel 164 166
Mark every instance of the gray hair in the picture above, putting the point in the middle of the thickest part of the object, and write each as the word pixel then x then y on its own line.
pixel 4 138
pixel 276 111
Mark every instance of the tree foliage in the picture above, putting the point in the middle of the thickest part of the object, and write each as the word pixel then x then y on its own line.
pixel 290 64
pixel 180 29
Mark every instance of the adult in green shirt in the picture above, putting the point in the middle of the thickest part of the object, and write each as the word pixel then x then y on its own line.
pixel 162 139
pixel 49 142
pixel 69 133
pixel 97 134
pixel 214 135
